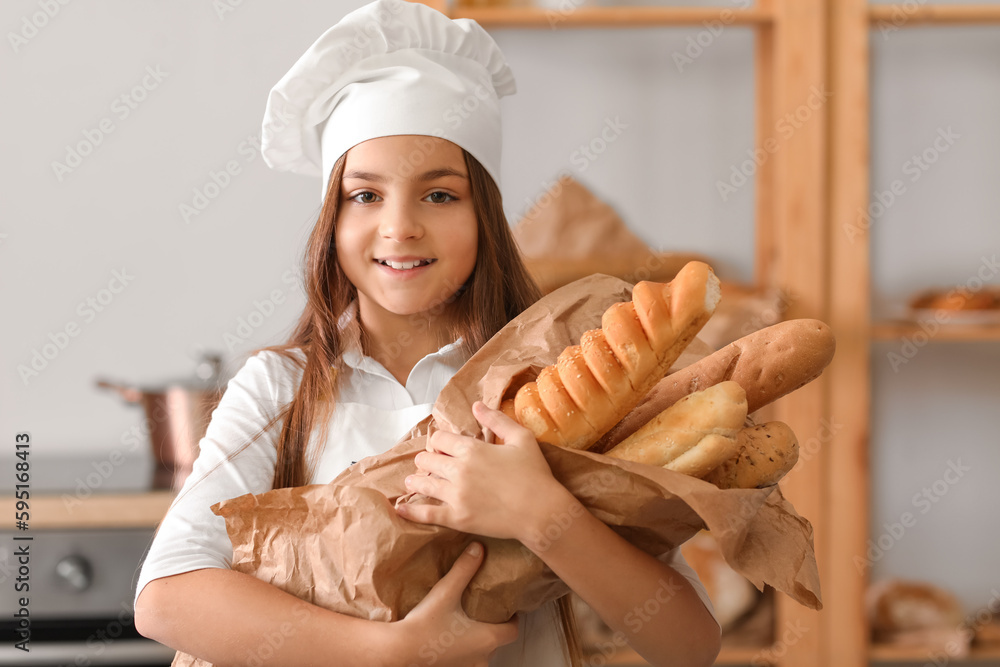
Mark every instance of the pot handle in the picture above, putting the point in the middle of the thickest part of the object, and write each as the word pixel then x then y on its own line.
pixel 130 394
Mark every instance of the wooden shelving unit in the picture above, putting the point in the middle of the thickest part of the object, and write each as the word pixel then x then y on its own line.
pixel 608 17
pixel 733 656
pixel 896 330
pixel 55 512
pixel 806 193
pixel 851 23
pixel 890 654
pixel 941 14
pixel 790 247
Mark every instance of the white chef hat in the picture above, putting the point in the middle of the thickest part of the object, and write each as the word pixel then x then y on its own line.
pixel 391 67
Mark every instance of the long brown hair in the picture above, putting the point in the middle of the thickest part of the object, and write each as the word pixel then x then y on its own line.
pixel 499 289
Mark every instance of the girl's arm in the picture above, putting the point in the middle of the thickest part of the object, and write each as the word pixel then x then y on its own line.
pixel 230 618
pixel 508 491
pixel 647 603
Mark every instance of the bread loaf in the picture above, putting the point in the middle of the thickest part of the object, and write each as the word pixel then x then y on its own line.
pixel 768 364
pixel 765 454
pixel 707 454
pixel 592 386
pixel 706 420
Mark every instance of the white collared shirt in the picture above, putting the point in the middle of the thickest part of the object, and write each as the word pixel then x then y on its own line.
pixel 373 412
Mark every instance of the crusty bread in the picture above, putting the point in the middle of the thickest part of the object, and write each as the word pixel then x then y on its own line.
pixel 530 412
pixel 570 421
pixel 636 345
pixel 604 366
pixel 898 606
pixel 629 342
pixel 707 454
pixel 586 391
pixel 765 454
pixel 768 364
pixel 711 417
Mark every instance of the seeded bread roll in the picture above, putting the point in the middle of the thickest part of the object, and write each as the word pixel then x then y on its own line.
pixel 636 345
pixel 713 416
pixel 766 453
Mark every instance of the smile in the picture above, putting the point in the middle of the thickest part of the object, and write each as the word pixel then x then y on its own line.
pixel 405 265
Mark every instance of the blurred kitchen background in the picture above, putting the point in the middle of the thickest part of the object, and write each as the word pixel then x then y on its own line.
pixel 142 233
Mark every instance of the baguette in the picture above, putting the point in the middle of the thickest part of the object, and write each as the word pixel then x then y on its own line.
pixel 712 416
pixel 591 387
pixel 766 453
pixel 768 364
pixel 707 455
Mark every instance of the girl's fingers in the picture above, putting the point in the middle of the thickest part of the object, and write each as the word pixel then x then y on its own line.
pixel 446 442
pixel 428 485
pixel 496 421
pixel 448 591
pixel 433 514
pixel 465 567
pixel 441 465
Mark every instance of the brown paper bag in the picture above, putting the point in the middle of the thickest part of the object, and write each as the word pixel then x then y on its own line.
pixel 342 546
pixel 568 221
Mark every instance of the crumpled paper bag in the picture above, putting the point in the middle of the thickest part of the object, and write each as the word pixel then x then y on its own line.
pixel 342 545
pixel 569 222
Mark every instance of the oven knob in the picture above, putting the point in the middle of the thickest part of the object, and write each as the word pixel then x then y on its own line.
pixel 75 571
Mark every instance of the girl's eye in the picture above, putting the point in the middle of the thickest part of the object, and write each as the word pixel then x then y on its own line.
pixel 368 197
pixel 365 197
pixel 440 197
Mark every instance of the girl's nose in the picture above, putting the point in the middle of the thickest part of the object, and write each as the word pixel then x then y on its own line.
pixel 400 221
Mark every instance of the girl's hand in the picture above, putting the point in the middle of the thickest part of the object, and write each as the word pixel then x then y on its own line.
pixel 438 630
pixel 502 491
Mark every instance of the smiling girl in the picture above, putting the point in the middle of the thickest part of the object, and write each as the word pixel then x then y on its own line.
pixel 410 268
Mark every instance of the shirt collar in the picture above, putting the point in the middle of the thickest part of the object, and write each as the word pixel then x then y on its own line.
pixel 449 354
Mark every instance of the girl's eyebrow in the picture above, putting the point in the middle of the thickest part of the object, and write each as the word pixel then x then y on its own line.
pixel 426 176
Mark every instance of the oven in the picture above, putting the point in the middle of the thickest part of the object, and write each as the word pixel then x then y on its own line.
pixel 73 586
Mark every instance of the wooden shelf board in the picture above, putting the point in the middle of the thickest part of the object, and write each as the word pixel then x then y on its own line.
pixel 729 655
pixel 890 653
pixel 900 16
pixel 896 329
pixel 593 17
pixel 55 512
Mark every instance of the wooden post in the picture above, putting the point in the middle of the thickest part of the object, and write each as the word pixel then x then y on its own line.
pixel 764 122
pixel 798 266
pixel 849 373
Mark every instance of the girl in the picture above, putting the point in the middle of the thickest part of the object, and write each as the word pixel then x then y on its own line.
pixel 411 268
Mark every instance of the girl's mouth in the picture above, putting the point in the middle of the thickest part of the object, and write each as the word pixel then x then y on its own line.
pixel 398 267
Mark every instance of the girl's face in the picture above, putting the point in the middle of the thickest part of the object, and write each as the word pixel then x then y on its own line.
pixel 406 230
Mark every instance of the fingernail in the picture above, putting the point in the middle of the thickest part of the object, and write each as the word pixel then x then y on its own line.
pixel 474 549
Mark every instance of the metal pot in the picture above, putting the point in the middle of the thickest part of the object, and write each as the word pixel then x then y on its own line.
pixel 177 416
